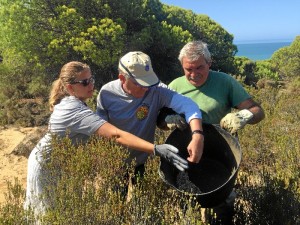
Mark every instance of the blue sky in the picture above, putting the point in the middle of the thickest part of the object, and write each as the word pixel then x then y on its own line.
pixel 250 21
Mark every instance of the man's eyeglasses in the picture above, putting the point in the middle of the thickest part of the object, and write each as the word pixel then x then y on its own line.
pixel 85 82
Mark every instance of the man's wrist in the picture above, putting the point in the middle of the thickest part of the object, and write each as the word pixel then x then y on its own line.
pixel 198 132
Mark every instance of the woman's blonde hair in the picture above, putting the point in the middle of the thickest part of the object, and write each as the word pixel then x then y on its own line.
pixel 68 73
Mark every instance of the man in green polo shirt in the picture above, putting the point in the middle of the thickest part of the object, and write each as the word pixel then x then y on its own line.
pixel 216 94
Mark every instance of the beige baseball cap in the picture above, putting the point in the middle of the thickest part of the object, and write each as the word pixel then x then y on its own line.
pixel 138 66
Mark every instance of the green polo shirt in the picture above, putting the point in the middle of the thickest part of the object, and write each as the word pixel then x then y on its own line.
pixel 216 97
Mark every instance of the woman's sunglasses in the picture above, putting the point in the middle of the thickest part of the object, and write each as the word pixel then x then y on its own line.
pixel 85 82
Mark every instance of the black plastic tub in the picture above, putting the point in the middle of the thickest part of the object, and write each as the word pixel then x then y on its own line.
pixel 214 176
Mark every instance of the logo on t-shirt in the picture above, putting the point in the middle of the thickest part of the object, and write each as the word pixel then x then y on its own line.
pixel 142 111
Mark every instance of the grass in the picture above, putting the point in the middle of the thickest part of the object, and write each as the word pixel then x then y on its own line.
pixel 268 183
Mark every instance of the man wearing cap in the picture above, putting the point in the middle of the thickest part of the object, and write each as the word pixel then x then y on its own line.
pixel 133 101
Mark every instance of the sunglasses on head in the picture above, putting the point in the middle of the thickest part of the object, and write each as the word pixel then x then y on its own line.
pixel 85 82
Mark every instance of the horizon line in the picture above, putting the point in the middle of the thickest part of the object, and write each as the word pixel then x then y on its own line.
pixel 262 41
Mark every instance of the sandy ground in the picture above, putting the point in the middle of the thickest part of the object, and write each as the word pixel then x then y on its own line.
pixel 12 166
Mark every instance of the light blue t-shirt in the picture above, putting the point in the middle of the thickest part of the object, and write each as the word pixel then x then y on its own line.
pixel 75 117
pixel 70 117
pixel 138 115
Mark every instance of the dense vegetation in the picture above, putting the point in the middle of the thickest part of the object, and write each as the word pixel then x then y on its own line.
pixel 37 37
pixel 267 185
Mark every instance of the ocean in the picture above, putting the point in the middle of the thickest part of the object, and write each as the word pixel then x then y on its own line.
pixel 259 51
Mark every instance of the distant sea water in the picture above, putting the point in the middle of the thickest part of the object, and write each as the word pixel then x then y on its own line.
pixel 260 50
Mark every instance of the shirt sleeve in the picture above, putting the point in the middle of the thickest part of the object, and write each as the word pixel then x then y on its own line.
pixel 237 92
pixel 180 103
pixel 186 106
pixel 86 121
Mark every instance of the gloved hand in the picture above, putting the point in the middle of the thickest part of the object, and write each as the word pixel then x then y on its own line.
pixel 169 153
pixel 235 121
pixel 175 121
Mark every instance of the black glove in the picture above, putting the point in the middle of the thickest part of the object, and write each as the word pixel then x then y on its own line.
pixel 176 121
pixel 169 153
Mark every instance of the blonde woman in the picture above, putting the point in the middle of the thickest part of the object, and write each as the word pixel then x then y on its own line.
pixel 71 116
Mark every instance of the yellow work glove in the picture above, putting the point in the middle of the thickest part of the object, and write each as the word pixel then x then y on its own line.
pixel 175 121
pixel 232 122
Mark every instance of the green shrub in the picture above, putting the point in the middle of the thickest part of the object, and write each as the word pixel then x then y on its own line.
pixel 264 69
pixel 87 190
pixel 11 212
pixel 269 175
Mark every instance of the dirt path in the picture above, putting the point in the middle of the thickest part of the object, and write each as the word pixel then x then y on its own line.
pixel 12 166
